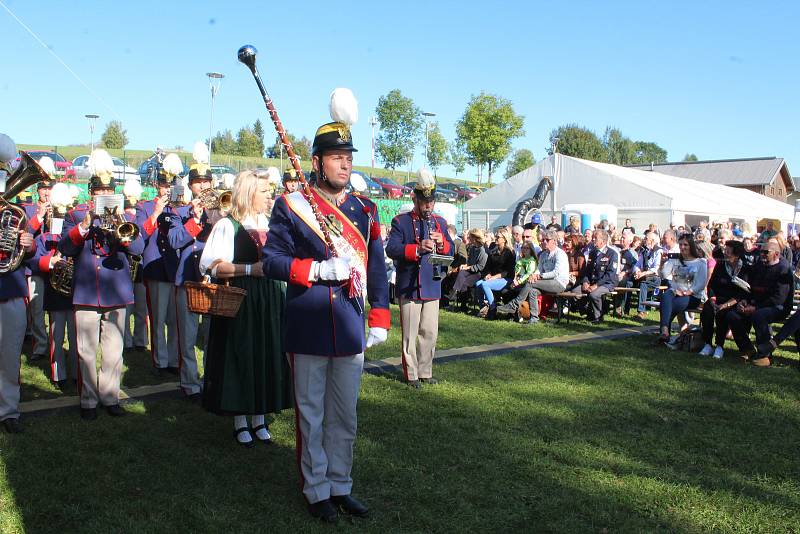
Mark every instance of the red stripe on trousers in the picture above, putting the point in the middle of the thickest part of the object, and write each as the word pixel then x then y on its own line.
pixel 402 350
pixel 52 347
pixel 151 319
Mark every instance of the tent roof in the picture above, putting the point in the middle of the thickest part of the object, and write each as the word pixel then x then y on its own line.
pixel 735 172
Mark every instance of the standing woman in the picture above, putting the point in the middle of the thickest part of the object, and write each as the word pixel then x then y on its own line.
pixel 246 373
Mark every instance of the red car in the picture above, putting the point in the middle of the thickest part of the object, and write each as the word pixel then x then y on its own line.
pixel 392 189
pixel 63 165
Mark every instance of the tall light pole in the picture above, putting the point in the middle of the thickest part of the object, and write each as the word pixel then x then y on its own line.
pixel 427 114
pixel 91 117
pixel 214 80
pixel 373 121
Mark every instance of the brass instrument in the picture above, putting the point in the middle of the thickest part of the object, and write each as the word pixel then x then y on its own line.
pixel 135 264
pixel 61 276
pixel 12 218
pixel 117 228
pixel 214 199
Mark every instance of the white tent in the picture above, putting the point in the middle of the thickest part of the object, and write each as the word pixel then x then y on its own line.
pixel 643 196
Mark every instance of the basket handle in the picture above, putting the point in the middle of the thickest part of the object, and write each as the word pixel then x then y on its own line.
pixel 207 274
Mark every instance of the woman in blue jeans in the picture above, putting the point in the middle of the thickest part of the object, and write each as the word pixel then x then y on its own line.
pixel 688 289
pixel 499 271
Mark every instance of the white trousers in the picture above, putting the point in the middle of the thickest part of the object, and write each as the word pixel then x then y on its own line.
pixel 36 301
pixel 326 394
pixel 137 310
pixel 63 365
pixel 163 327
pixel 188 323
pixel 419 320
pixel 13 319
pixel 100 327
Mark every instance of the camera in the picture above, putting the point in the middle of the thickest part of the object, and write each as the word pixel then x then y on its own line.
pixel 674 256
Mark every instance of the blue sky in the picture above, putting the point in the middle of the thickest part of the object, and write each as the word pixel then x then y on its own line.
pixel 719 79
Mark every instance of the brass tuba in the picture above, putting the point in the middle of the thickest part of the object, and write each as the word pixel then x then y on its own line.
pixel 12 218
pixel 214 199
pixel 61 276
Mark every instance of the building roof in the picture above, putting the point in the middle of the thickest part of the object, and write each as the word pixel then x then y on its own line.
pixel 733 172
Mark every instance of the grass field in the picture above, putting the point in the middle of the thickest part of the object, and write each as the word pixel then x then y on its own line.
pixel 612 436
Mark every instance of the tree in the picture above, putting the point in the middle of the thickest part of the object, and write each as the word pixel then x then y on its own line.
pixel 223 143
pixel 619 149
pixel 301 146
pixel 258 130
pixel 401 123
pixel 647 152
pixel 457 156
pixel 437 148
pixel 690 157
pixel 247 143
pixel 114 136
pixel 487 127
pixel 520 160
pixel 578 142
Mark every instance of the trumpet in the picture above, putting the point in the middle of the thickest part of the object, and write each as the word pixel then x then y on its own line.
pixel 213 199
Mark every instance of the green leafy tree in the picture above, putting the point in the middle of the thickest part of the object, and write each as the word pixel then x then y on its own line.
pixel 647 152
pixel 224 143
pixel 690 157
pixel 247 143
pixel 401 123
pixel 578 142
pixel 114 136
pixel 520 160
pixel 258 130
pixel 301 146
pixel 457 157
pixel 487 127
pixel 437 147
pixel 619 149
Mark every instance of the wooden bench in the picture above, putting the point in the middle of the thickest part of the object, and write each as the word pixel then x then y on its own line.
pixel 562 299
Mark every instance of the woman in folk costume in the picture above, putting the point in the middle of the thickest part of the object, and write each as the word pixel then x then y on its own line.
pixel 246 370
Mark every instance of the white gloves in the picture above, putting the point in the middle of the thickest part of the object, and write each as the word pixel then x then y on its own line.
pixel 333 269
pixel 376 336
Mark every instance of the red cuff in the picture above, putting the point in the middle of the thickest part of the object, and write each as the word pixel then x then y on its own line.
pixel 298 273
pixel 76 237
pixel 148 227
pixel 35 223
pixel 379 318
pixel 44 263
pixel 192 227
pixel 411 253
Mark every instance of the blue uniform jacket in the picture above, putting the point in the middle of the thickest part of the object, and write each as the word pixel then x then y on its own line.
pixel 414 273
pixel 320 319
pixel 188 238
pixel 15 284
pixel 160 259
pixel 46 246
pixel 601 269
pixel 102 272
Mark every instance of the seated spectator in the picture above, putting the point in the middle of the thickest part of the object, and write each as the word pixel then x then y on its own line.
pixel 688 273
pixel 795 244
pixel 516 234
pixel 629 226
pixel 498 274
pixel 770 300
pixel 627 264
pixel 653 227
pixel 553 224
pixel 599 275
pixel 750 256
pixel 470 272
pixel 574 226
pixel 768 232
pixel 786 250
pixel 647 271
pixel 723 295
pixel 551 276
pixel 573 247
pixel 460 256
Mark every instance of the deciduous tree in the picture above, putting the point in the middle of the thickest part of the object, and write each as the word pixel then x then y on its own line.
pixel 437 147
pixel 520 160
pixel 578 142
pixel 114 136
pixel 401 124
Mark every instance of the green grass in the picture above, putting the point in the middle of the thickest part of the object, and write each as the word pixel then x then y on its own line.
pixel 613 436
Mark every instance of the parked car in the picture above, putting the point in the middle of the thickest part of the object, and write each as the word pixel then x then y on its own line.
pixel 62 164
pixel 440 195
pixel 464 192
pixel 392 189
pixel 121 171
pixel 218 170
pixel 149 169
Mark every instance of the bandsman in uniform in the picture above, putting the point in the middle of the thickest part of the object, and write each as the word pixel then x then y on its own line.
pixel 414 236
pixel 159 265
pixel 290 181
pixel 13 317
pixel 138 339
pixel 325 310
pixel 102 288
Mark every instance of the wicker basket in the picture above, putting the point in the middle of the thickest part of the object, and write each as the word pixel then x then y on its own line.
pixel 214 299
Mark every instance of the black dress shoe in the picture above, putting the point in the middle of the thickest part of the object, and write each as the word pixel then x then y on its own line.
pixel 88 414
pixel 324 510
pixel 430 380
pixel 415 384
pixel 246 444
pixel 12 425
pixel 349 505
pixel 115 410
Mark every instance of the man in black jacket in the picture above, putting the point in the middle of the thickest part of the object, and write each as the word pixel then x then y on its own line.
pixel 599 275
pixel 770 300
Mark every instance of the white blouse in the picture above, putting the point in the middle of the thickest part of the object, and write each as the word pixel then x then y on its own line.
pixel 219 245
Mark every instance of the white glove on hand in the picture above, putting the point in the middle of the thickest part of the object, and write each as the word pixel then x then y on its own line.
pixel 334 269
pixel 376 336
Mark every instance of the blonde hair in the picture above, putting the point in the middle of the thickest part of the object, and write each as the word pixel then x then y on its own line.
pixel 244 188
pixel 477 235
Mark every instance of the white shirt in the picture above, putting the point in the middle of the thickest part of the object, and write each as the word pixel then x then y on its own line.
pixel 219 245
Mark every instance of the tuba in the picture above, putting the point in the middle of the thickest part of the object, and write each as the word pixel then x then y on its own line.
pixel 214 199
pixel 12 218
pixel 61 276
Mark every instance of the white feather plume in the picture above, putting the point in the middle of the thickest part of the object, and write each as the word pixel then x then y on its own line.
pixel 425 178
pixel 227 181
pixel 47 165
pixel 100 163
pixel 200 152
pixel 132 188
pixel 344 106
pixel 273 175
pixel 358 183
pixel 61 196
pixel 8 149
pixel 74 191
pixel 173 164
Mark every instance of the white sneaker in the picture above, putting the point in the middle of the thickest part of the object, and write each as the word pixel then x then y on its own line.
pixel 718 352
pixel 706 350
